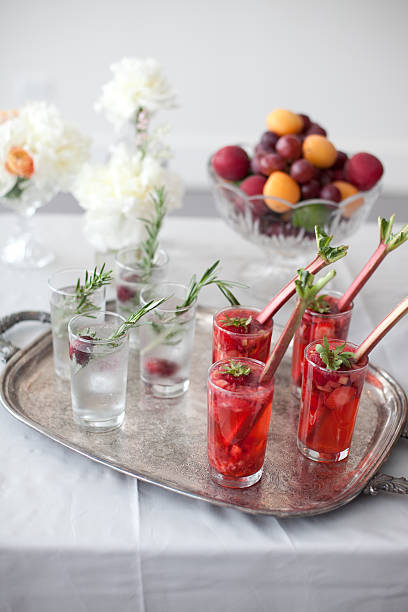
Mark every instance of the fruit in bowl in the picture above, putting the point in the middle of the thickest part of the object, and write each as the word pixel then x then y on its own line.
pixel 273 194
pixel 294 164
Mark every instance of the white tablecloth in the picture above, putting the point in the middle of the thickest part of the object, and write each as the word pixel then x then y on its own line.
pixel 76 536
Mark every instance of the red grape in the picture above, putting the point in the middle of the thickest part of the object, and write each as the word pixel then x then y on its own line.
pixel 340 160
pixel 330 192
pixel 326 177
pixel 302 171
pixel 339 175
pixel 315 128
pixel 310 190
pixel 260 150
pixel 255 164
pixel 289 147
pixel 306 122
pixel 271 162
pixel 258 208
pixel 268 141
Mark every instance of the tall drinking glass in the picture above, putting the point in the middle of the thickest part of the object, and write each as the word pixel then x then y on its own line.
pixel 239 410
pixel 166 340
pixel 131 277
pixel 63 306
pixel 329 405
pixel 314 326
pixel 99 367
pixel 237 333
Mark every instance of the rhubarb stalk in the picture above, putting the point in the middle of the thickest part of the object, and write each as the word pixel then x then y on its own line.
pixel 383 328
pixel 307 292
pixel 388 242
pixel 326 255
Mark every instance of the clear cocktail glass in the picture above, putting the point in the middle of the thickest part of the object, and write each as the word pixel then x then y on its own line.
pixel 239 410
pixel 63 306
pixel 131 277
pixel 314 326
pixel 329 404
pixel 237 333
pixel 99 367
pixel 166 340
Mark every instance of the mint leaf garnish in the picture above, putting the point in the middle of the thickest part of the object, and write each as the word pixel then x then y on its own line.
pixel 334 359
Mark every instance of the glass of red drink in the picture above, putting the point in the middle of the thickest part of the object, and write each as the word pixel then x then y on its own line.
pixel 314 326
pixel 237 333
pixel 239 410
pixel 329 405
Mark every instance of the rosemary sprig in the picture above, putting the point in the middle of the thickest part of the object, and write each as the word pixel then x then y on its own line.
pixel 153 226
pixel 320 305
pixel 93 281
pixel 134 318
pixel 334 359
pixel 236 369
pixel 210 278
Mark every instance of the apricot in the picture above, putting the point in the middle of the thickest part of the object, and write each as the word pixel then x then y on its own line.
pixel 284 122
pixel 346 190
pixel 280 185
pixel 319 151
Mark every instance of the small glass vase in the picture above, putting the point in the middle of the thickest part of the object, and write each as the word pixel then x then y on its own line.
pixel 22 249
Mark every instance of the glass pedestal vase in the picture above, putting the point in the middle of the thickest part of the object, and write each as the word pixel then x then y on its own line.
pixel 22 249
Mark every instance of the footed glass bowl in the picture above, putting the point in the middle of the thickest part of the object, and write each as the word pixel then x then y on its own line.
pixel 286 239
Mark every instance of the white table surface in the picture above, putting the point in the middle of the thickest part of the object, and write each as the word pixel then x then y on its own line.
pixel 75 535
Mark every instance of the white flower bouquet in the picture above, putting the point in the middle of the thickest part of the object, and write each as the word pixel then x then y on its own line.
pixel 116 195
pixel 40 155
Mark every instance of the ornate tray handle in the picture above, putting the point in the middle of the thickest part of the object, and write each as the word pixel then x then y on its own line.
pixel 7 349
pixel 383 483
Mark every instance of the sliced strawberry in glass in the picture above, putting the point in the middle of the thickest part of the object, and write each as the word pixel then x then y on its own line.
pixel 341 398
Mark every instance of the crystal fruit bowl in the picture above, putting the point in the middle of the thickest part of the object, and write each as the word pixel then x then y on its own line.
pixel 287 240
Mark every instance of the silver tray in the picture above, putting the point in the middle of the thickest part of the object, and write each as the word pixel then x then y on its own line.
pixel 163 442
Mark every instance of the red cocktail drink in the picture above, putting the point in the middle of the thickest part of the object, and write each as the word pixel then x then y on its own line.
pixel 329 404
pixel 237 333
pixel 315 325
pixel 239 409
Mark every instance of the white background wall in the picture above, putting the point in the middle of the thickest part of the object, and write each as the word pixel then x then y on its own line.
pixel 343 62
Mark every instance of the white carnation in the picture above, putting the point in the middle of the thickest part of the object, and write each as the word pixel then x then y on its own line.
pixel 57 149
pixel 115 195
pixel 136 83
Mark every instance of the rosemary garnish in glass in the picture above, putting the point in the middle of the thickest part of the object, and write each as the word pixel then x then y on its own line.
pixel 171 334
pixel 153 226
pixel 92 282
